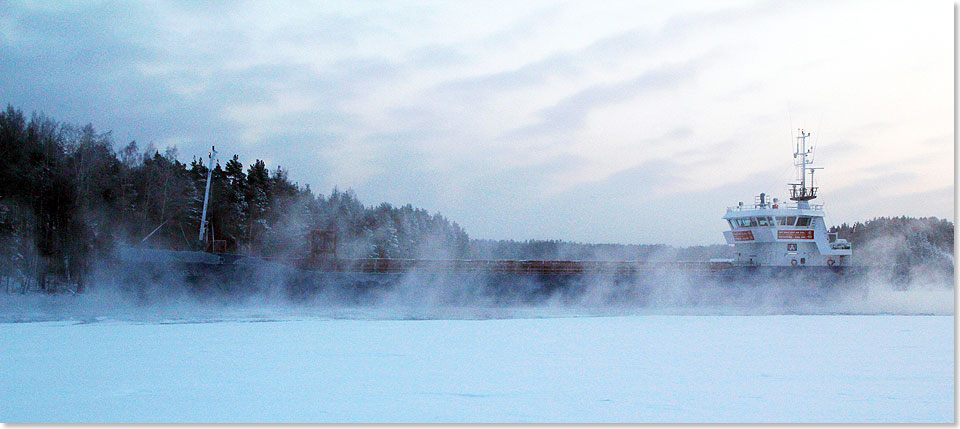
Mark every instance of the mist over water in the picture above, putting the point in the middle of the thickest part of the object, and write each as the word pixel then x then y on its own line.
pixel 274 292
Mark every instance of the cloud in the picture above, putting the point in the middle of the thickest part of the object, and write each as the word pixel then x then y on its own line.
pixel 75 65
pixel 605 52
pixel 562 64
pixel 682 25
pixel 571 112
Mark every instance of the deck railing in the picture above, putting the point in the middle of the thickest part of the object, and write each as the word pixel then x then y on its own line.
pixel 770 206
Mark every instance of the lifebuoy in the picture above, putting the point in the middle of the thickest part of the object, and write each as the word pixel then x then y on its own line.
pixel 793 262
pixel 830 262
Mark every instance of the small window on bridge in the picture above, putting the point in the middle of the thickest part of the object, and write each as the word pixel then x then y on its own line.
pixel 781 220
pixel 762 221
pixel 803 221
pixel 731 224
pixel 791 220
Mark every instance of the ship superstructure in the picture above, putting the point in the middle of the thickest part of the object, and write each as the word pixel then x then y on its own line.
pixel 774 233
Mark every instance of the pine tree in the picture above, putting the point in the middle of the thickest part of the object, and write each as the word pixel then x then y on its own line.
pixel 258 202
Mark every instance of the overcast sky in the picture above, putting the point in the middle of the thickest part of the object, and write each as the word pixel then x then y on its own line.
pixel 628 122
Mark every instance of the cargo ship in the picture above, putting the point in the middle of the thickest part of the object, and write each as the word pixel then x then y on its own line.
pixel 772 240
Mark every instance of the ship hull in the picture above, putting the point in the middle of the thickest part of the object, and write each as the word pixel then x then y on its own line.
pixel 244 279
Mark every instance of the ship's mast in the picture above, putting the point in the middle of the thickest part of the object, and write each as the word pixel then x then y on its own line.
pixel 206 195
pixel 804 193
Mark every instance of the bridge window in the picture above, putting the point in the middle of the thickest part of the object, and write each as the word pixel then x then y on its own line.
pixel 731 224
pixel 803 221
pixel 781 220
pixel 791 220
pixel 762 221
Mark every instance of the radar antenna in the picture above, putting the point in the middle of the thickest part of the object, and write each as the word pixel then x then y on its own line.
pixel 804 192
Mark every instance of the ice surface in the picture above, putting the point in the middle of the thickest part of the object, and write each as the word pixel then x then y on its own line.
pixel 636 368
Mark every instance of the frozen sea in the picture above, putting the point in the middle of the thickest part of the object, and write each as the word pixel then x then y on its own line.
pixel 531 366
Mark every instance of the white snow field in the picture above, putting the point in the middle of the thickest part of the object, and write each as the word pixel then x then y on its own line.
pixel 637 368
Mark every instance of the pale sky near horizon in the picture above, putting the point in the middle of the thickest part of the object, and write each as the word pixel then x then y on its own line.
pixel 625 122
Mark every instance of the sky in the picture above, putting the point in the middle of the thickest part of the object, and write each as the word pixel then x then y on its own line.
pixel 615 122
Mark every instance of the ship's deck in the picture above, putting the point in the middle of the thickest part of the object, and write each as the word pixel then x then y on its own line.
pixel 374 265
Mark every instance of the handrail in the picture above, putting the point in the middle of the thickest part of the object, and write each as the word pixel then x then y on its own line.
pixel 780 206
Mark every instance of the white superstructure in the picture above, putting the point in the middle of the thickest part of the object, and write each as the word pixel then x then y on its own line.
pixel 773 233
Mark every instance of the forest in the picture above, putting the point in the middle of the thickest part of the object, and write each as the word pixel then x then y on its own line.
pixel 901 240
pixel 69 196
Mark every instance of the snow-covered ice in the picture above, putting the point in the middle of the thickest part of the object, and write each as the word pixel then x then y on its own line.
pixel 628 368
